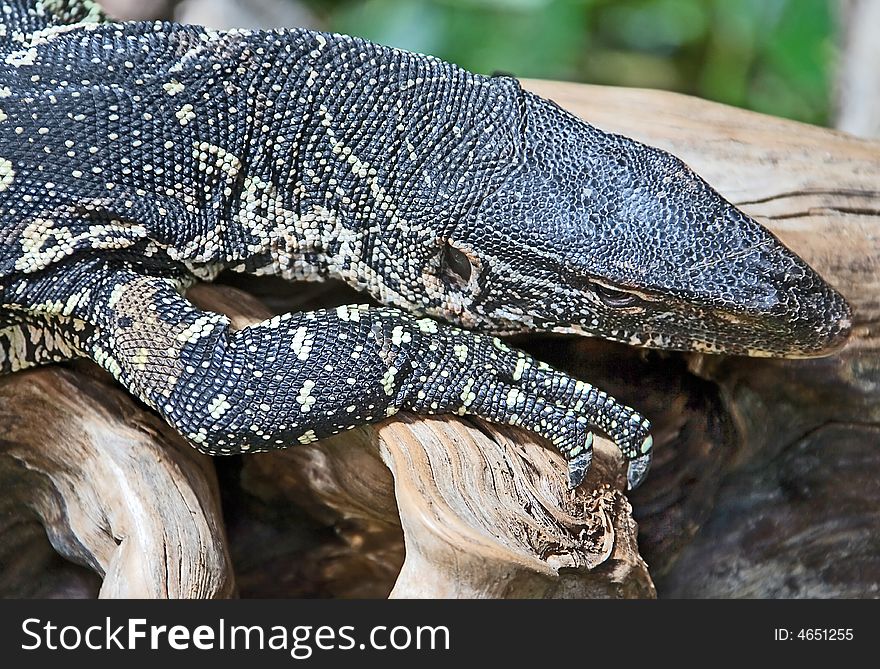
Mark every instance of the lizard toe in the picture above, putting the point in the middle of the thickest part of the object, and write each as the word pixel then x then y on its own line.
pixel 579 465
pixel 637 470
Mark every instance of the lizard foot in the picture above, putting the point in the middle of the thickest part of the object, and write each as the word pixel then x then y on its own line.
pixel 529 393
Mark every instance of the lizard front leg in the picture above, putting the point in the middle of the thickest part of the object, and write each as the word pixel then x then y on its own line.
pixel 299 377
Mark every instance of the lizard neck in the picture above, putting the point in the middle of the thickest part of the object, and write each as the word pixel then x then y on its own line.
pixel 357 157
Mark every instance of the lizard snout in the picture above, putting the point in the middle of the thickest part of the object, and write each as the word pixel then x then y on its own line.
pixel 817 317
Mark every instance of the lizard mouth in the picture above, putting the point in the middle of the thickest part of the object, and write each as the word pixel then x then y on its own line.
pixel 806 333
pixel 819 347
pixel 785 310
pixel 776 337
pixel 818 327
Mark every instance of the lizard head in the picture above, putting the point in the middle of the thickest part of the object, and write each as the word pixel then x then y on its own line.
pixel 597 234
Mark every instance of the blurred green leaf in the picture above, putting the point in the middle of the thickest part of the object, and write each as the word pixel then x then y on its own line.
pixel 774 56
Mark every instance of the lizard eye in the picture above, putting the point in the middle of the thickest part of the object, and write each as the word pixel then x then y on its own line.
pixel 455 264
pixel 612 297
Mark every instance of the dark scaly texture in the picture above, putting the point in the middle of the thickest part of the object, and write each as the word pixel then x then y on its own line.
pixel 137 158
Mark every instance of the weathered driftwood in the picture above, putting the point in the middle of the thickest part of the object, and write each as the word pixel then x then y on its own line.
pixel 787 505
pixel 529 538
pixel 764 481
pixel 115 489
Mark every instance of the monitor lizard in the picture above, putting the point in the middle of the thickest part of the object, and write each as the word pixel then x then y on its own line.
pixel 139 158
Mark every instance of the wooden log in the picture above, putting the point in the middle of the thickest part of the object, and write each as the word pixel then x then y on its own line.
pixel 502 523
pixel 116 490
pixel 482 513
pixel 722 472
pixel 472 502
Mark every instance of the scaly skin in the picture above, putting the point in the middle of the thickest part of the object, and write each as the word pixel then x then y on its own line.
pixel 138 158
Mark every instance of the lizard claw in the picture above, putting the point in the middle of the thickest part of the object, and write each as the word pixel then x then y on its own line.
pixel 579 465
pixel 638 467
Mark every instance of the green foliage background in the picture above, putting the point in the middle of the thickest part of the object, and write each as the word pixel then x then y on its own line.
pixel 774 56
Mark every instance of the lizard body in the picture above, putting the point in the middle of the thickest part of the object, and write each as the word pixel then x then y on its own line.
pixel 138 158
